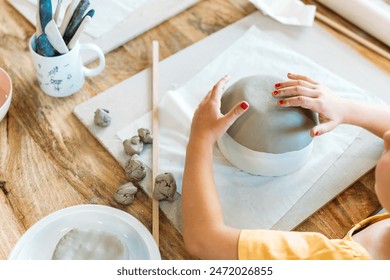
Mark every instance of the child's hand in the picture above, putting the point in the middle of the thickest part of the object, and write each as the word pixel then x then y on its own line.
pixel 208 123
pixel 303 92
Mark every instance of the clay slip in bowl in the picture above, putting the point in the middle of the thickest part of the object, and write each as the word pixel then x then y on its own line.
pixel 5 93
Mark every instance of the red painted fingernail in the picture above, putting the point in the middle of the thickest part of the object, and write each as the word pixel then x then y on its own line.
pixel 316 134
pixel 280 102
pixel 275 92
pixel 277 85
pixel 244 105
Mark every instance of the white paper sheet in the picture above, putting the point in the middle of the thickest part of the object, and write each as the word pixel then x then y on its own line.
pixel 248 201
pixel 373 16
pixel 292 12
pixel 108 13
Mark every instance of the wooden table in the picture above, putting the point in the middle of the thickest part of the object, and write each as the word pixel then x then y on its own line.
pixel 49 161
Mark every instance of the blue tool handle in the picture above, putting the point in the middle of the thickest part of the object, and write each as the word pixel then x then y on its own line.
pixel 75 20
pixel 44 47
pixel 45 12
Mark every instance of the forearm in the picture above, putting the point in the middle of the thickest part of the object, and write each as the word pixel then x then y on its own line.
pixel 372 117
pixel 204 231
pixel 200 195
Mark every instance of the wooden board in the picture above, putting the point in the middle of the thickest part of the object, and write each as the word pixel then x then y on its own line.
pixel 149 15
pixel 314 42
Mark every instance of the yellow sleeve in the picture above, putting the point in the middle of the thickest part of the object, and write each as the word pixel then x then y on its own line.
pixel 289 245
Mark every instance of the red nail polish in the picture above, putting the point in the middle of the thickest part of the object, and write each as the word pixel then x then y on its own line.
pixel 275 92
pixel 316 134
pixel 280 102
pixel 244 105
pixel 277 85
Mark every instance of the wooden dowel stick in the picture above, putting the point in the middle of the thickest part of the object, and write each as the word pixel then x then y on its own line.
pixel 155 204
pixel 352 35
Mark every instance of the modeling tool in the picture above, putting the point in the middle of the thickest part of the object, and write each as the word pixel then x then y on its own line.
pixel 155 204
pixel 43 46
pixel 75 20
pixel 68 15
pixel 45 12
pixel 58 10
pixel 80 29
pixel 38 27
pixel 55 38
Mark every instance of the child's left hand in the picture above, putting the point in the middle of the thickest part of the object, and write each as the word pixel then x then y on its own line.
pixel 208 123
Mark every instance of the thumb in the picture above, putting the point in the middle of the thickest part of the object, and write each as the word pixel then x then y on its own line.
pixel 234 113
pixel 323 128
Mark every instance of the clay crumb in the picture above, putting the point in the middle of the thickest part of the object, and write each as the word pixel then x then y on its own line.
pixel 133 146
pixel 125 193
pixel 145 135
pixel 165 187
pixel 135 168
pixel 102 117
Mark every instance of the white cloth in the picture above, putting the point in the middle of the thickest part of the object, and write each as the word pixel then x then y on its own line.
pixel 373 16
pixel 248 201
pixel 292 12
pixel 108 13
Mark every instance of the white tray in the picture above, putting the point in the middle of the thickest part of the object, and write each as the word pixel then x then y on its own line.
pixel 315 43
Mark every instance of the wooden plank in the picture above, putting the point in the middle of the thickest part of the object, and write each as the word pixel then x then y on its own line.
pixel 155 210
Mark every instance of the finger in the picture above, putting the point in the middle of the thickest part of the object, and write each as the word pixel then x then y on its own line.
pixel 301 77
pixel 295 91
pixel 218 88
pixel 301 101
pixel 231 116
pixel 323 128
pixel 291 83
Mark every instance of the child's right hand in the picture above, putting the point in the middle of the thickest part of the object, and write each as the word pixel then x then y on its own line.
pixel 303 92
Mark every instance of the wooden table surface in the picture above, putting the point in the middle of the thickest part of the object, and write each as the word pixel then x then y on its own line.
pixel 49 161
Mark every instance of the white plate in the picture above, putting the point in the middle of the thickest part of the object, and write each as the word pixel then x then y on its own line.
pixel 39 242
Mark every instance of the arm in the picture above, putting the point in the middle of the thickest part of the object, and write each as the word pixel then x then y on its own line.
pixel 333 110
pixel 204 231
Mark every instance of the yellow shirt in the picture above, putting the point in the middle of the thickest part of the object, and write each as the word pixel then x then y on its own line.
pixel 290 245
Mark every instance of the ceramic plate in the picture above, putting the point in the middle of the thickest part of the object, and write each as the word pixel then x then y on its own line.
pixel 39 242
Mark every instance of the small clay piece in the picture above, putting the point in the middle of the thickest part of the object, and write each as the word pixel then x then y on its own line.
pixel 135 168
pixel 102 117
pixel 165 187
pixel 133 146
pixel 145 135
pixel 125 193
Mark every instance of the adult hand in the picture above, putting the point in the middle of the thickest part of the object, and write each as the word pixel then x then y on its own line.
pixel 302 91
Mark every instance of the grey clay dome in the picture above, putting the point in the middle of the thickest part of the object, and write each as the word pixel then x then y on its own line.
pixel 266 127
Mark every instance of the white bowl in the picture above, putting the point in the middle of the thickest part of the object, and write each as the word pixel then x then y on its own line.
pixel 5 93
pixel 39 242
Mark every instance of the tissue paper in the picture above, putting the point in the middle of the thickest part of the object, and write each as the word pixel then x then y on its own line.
pixel 292 12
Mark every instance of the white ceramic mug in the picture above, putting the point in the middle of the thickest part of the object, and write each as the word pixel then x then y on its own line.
pixel 63 75
pixel 5 93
